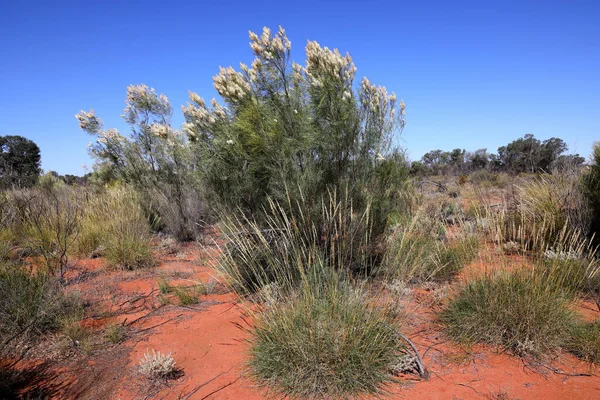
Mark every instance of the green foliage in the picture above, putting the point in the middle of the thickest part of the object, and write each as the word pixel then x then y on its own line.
pixel 528 154
pixel 31 303
pixel 275 250
pixel 187 295
pixel 295 131
pixel 115 333
pixel 413 256
pixel 584 341
pixel 591 187
pixel 329 340
pixel 114 226
pixel 20 162
pixel 155 160
pixel 548 211
pixel 517 311
pixel 47 220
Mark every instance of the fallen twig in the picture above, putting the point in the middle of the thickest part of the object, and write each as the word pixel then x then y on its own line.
pixel 422 370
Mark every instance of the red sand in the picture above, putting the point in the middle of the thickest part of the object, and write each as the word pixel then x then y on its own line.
pixel 208 345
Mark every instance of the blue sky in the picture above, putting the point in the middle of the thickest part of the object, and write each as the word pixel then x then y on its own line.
pixel 472 74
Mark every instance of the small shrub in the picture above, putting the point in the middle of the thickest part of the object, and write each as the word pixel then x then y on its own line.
pixel 483 177
pixel 31 303
pixel 164 287
pixel 50 219
pixel 328 341
pixel 591 190
pixel 414 255
pixel 187 295
pixel 115 333
pixel 517 311
pixel 157 366
pixel 584 341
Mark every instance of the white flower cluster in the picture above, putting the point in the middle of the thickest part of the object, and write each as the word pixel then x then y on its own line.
pixel 375 97
pixel 109 135
pixel 552 254
pixel 163 131
pixel 322 63
pixel 141 97
pixel 298 73
pixel 89 122
pixel 198 117
pixel 375 100
pixel 231 84
pixel 267 46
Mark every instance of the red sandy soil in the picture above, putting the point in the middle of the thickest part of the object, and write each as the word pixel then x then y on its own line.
pixel 207 342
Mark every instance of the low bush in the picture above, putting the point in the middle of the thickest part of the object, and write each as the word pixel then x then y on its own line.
pixel 31 303
pixel 418 250
pixel 545 211
pixel 517 311
pixel 157 366
pixel 47 220
pixel 115 333
pixel 328 340
pixel 457 254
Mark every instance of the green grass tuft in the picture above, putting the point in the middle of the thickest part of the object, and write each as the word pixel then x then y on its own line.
pixel 518 311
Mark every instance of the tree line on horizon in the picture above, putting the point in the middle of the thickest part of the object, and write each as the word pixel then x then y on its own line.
pixel 524 155
pixel 20 160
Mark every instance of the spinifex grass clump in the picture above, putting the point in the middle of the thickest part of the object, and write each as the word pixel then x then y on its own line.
pixel 280 248
pixel 519 311
pixel 417 249
pixel 328 340
pixel 584 341
pixel 545 211
pixel 114 225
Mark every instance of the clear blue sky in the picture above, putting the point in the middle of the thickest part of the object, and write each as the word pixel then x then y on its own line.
pixel 473 74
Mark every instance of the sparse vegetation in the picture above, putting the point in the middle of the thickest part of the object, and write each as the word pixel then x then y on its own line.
pixel 293 188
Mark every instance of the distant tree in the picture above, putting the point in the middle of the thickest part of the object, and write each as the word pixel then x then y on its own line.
pixel 457 160
pixel 437 161
pixel 528 154
pixel 477 160
pixel 20 162
pixel 549 152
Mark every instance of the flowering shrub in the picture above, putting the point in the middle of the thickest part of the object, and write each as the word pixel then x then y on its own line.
pixel 155 159
pixel 285 125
